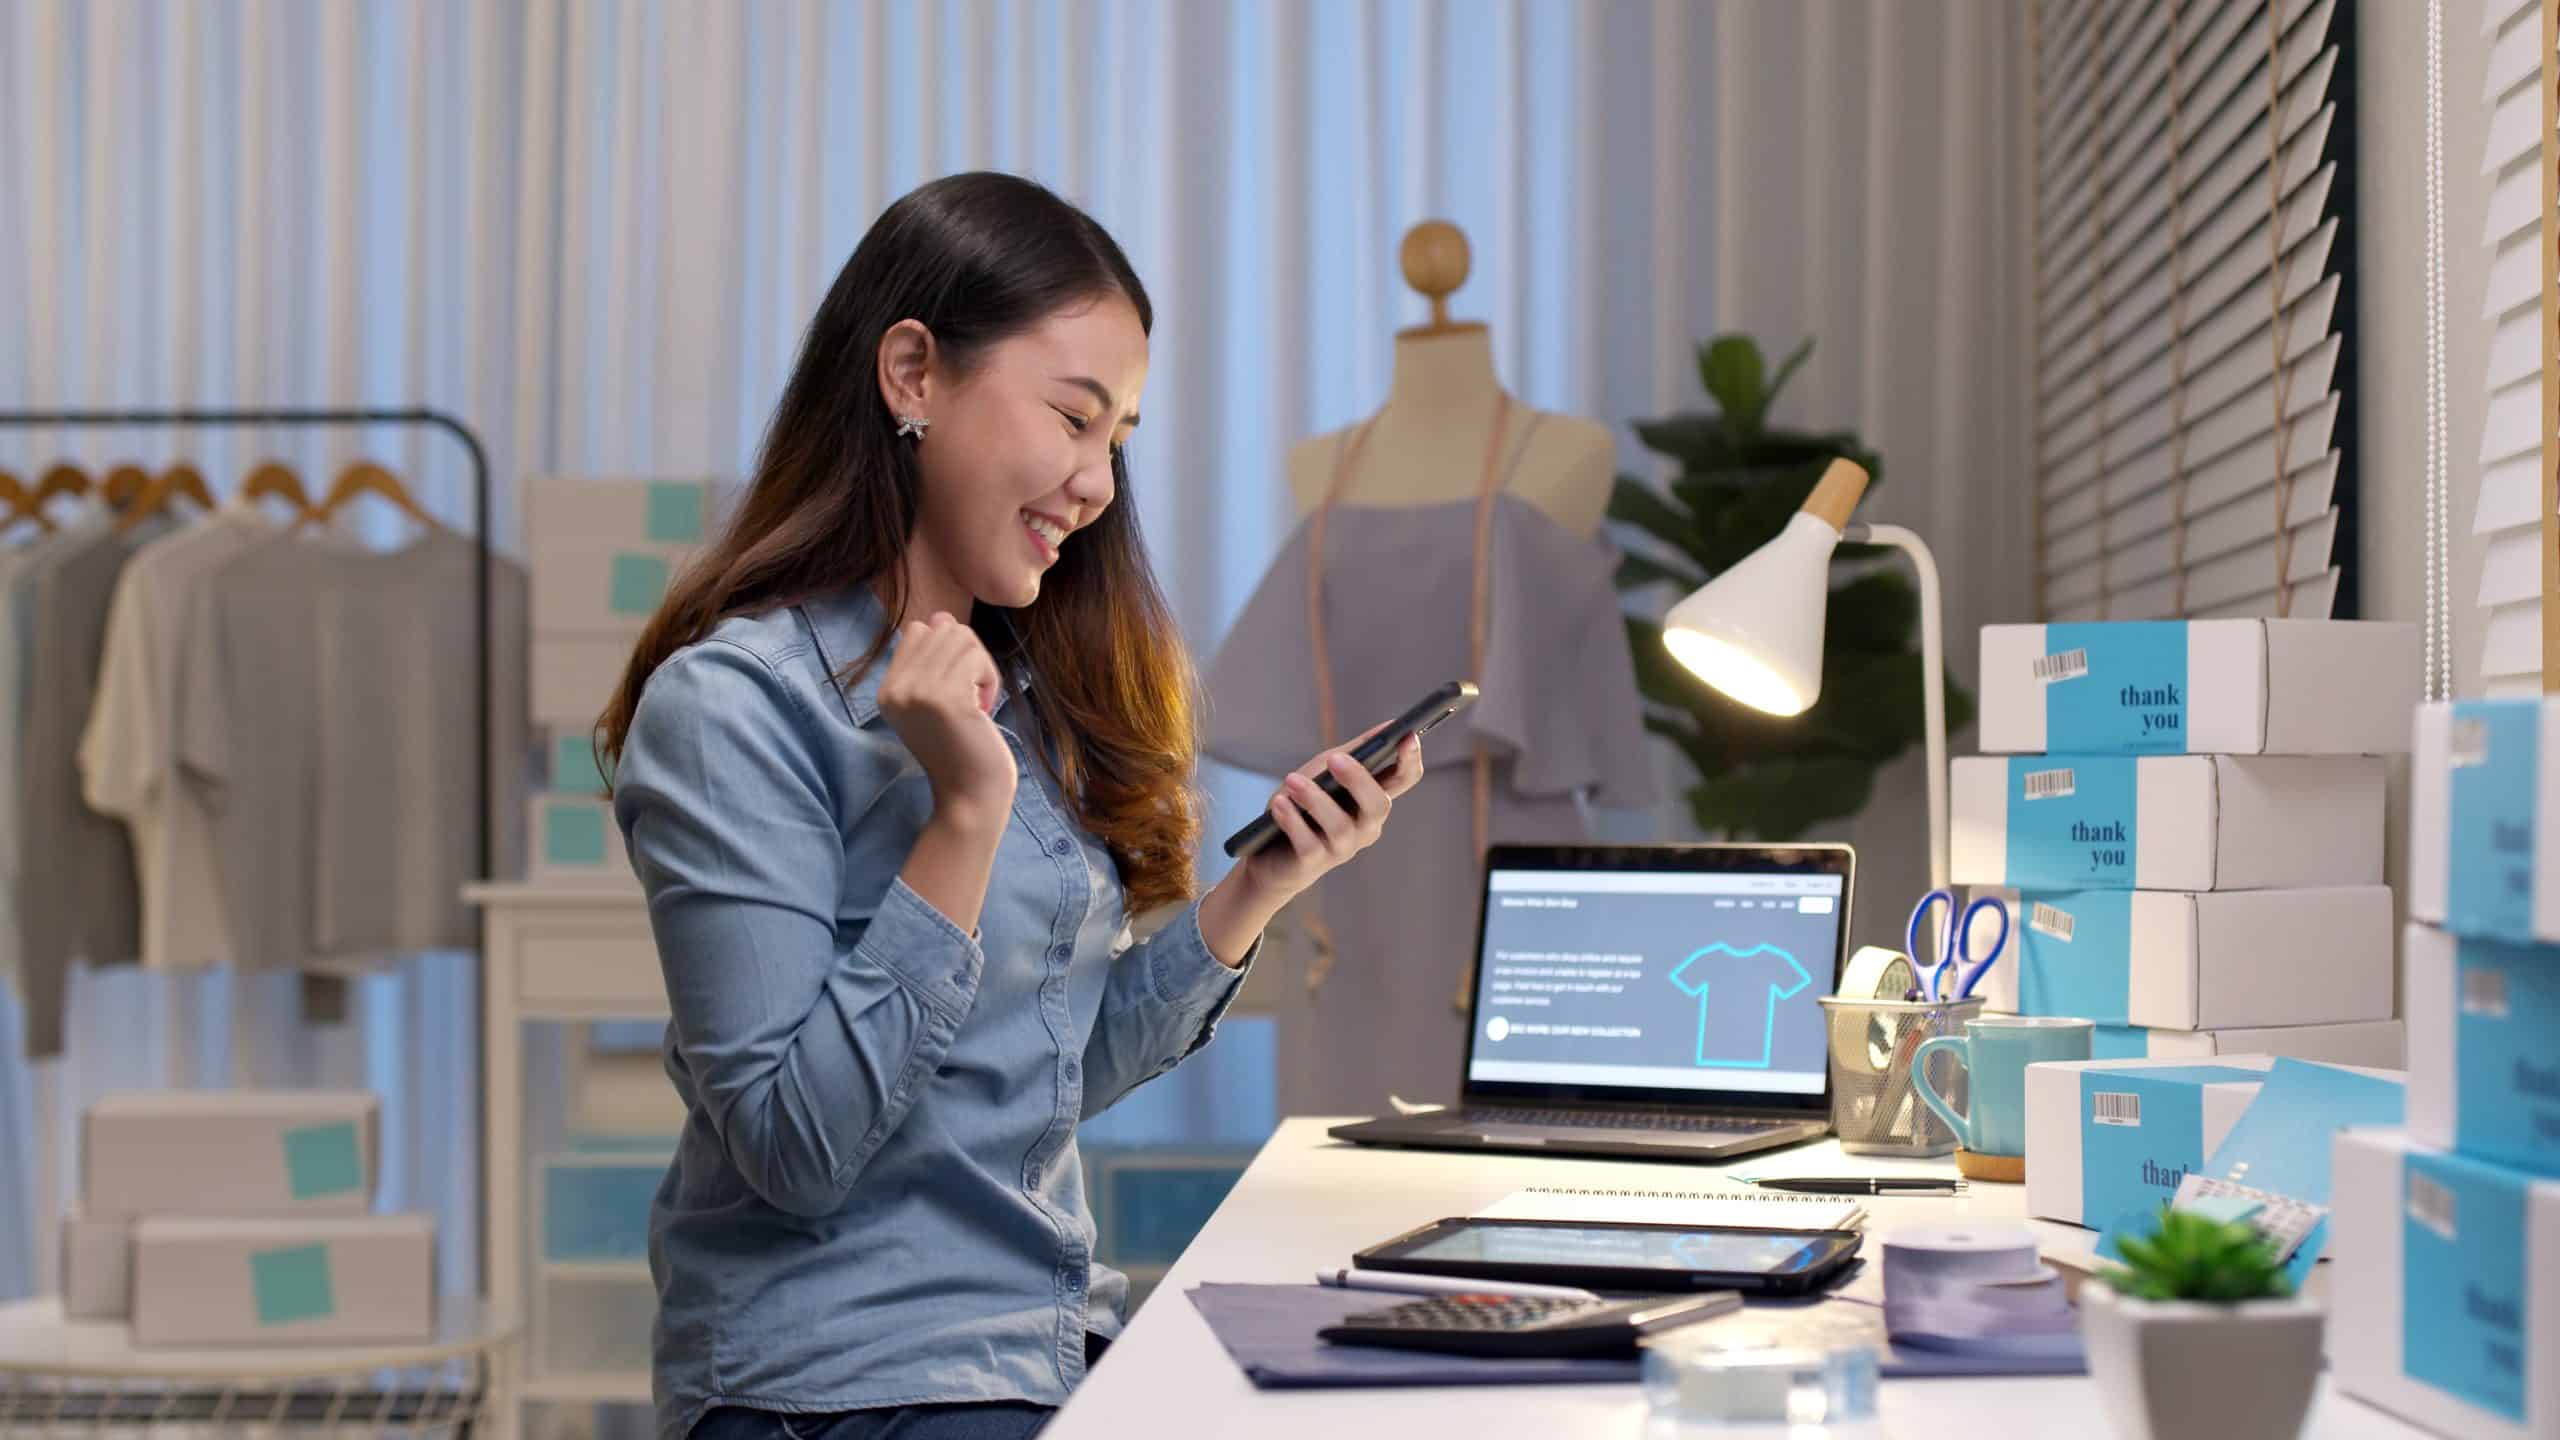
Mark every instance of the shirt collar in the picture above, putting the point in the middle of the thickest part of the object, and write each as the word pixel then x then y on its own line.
pixel 845 624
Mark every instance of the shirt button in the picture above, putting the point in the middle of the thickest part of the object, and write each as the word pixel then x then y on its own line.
pixel 1059 952
pixel 1060 847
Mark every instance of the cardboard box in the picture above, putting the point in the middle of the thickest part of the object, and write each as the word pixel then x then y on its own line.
pixel 574 839
pixel 2372 1044
pixel 2160 1120
pixel 238 1152
pixel 580 509
pixel 2484 819
pixel 601 589
pixel 2195 961
pixel 574 677
pixel 570 765
pixel 97 1268
pixel 2445 1296
pixel 2204 687
pixel 2167 822
pixel 359 1280
pixel 2484 1048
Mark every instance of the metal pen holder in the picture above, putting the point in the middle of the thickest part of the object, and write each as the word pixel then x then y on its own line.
pixel 1874 1109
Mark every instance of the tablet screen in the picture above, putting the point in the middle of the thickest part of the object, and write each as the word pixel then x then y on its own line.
pixel 1607 1247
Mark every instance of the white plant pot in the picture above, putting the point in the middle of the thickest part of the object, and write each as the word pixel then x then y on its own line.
pixel 2189 1370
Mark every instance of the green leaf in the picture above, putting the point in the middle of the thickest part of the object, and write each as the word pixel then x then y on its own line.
pixel 1698 442
pixel 1787 369
pixel 1637 570
pixel 1632 502
pixel 1877 613
pixel 1731 369
pixel 1783 799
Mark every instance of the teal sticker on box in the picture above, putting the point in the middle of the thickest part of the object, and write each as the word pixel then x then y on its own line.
pixel 638 583
pixel 2116 687
pixel 574 770
pixel 322 1160
pixel 2075 955
pixel 2071 822
pixel 2463 1311
pixel 573 835
pixel 2506 1082
pixel 675 512
pixel 291 1283
pixel 2489 814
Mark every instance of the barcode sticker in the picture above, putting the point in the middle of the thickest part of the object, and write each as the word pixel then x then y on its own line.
pixel 2116 1107
pixel 2431 1205
pixel 2051 784
pixel 2062 665
pixel 2470 743
pixel 2283 1221
pixel 2484 992
pixel 2051 920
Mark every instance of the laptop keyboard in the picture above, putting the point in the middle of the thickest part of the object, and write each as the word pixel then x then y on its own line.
pixel 1656 1121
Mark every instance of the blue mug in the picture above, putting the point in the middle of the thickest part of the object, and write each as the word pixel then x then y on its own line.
pixel 1996 1051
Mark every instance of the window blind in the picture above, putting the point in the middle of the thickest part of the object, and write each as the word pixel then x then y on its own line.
pixel 2191 342
pixel 2510 505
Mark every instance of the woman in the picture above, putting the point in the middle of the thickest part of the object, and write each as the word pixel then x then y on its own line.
pixel 897 760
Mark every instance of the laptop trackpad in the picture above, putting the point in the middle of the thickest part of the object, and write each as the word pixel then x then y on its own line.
pixel 1555 1134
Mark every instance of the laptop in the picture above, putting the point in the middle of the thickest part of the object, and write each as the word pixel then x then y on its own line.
pixel 1646 1000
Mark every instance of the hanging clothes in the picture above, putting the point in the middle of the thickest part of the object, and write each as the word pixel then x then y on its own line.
pixel 1358 618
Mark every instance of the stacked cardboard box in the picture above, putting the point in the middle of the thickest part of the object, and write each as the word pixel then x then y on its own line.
pixel 2450 1230
pixel 2185 823
pixel 608 551
pixel 243 1218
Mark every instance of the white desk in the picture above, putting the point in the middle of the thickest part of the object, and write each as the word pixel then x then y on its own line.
pixel 1308 1201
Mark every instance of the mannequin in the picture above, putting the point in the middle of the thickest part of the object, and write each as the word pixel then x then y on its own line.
pixel 1425 442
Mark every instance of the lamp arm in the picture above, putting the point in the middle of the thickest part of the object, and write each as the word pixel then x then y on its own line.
pixel 1933 676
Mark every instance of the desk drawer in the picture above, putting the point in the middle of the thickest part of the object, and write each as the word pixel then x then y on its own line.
pixel 594 961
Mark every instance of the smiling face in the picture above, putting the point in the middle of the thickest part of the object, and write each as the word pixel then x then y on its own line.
pixel 1018 456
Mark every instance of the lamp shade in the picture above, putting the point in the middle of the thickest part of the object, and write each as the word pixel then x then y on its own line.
pixel 1755 631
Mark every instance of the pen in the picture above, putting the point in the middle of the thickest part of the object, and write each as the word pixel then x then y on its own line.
pixel 1401 1284
pixel 1879 1185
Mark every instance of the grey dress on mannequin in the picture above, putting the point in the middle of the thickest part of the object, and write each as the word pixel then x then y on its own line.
pixel 1559 722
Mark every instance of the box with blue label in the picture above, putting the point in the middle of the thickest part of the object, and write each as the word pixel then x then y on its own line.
pixel 2444 1301
pixel 570 765
pixel 2484 819
pixel 574 677
pixel 358 1280
pixel 97 1268
pixel 244 1152
pixel 2201 687
pixel 586 588
pixel 2372 1044
pixel 2484 1048
pixel 636 513
pixel 2186 960
pixel 2106 1139
pixel 574 838
pixel 595 1205
pixel 2166 822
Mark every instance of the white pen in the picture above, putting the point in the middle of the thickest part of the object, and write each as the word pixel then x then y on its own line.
pixel 1398 1283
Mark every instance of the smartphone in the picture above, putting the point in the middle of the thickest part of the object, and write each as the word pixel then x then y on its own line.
pixel 1375 754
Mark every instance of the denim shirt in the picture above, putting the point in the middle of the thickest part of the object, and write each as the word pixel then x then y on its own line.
pixel 876 1200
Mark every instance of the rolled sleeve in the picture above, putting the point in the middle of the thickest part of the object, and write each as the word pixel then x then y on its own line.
pixel 1163 1003
pixel 927 953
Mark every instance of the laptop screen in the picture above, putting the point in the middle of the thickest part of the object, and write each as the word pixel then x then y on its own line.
pixel 1656 979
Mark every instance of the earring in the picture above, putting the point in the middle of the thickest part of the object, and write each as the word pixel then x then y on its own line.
pixel 912 425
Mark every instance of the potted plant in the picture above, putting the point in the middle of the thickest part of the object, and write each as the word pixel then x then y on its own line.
pixel 2199 1336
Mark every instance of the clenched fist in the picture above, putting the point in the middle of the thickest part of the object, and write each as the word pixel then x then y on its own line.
pixel 939 696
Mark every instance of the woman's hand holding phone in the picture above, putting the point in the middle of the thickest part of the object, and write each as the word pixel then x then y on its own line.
pixel 1322 833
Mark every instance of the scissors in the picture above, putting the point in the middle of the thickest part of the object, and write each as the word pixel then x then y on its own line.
pixel 1955 944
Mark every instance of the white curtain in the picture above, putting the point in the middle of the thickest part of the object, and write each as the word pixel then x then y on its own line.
pixel 596 230
pixel 1871 196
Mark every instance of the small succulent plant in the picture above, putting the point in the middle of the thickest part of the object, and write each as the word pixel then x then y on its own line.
pixel 2195 1257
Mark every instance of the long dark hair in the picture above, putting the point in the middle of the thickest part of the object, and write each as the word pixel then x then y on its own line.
pixel 976 258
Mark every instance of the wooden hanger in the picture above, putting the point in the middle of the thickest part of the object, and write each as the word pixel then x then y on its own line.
pixel 181 479
pixel 276 479
pixel 366 478
pixel 1435 260
pixel 17 502
pixel 63 479
pixel 124 485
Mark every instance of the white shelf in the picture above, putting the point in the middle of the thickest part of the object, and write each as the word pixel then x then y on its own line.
pixel 602 1388
pixel 632 1270
pixel 36 1339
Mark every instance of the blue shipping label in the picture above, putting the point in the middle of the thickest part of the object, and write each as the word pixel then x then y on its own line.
pixel 2489 802
pixel 2071 821
pixel 2506 1067
pixel 2141 1132
pixel 2463 1308
pixel 2115 688
pixel 2075 954
pixel 292 1283
pixel 323 1160
pixel 2120 1042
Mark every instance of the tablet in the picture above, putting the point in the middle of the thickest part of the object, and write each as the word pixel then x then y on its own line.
pixel 1611 1255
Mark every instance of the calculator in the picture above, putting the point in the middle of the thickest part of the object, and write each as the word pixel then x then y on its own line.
pixel 1520 1326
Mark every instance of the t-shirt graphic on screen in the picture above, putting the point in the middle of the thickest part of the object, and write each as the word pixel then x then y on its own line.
pixel 1665 980
pixel 1738 993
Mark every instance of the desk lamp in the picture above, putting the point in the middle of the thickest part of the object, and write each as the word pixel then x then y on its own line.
pixel 1755 631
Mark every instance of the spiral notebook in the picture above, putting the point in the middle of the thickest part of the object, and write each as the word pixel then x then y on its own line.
pixel 1749 1209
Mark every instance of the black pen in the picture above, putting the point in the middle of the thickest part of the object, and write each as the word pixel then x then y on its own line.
pixel 1885 1185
